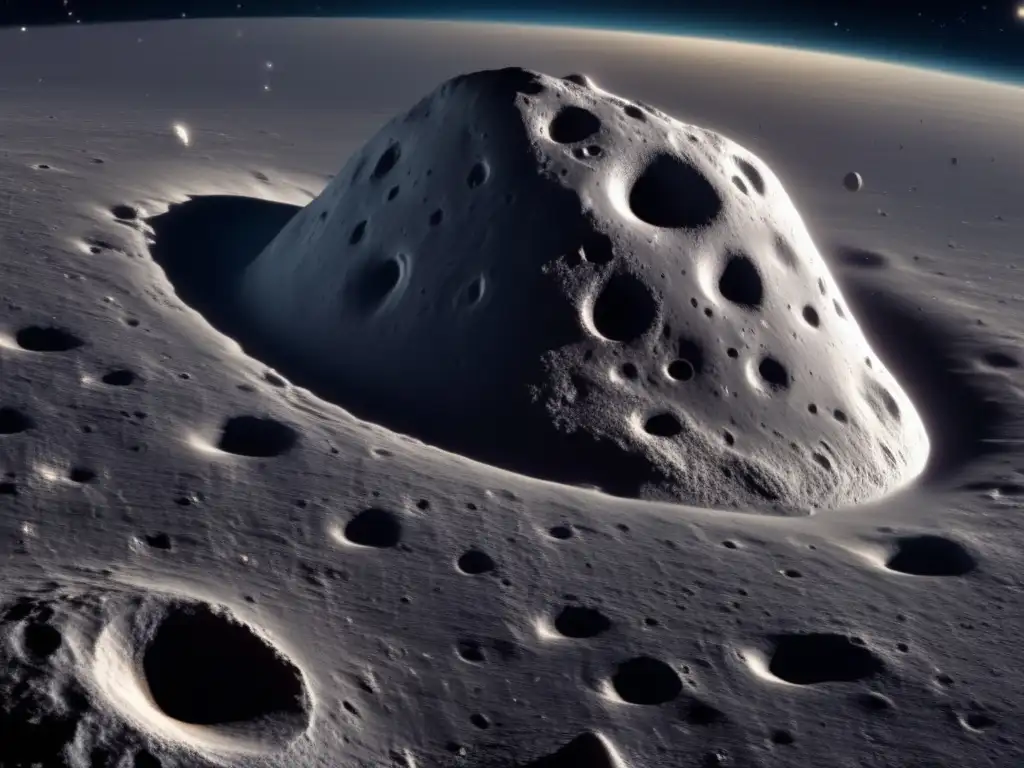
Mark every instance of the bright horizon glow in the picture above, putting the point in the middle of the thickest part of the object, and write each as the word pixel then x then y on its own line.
pixel 718 31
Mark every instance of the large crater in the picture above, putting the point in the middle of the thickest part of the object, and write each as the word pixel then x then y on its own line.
pixel 201 678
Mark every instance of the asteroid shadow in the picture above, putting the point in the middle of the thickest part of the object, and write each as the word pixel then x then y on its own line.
pixel 928 355
pixel 203 246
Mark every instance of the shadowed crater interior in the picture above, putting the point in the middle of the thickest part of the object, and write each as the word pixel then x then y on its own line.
pixel 42 338
pixel 928 555
pixel 204 668
pixel 645 680
pixel 808 659
pixel 256 436
pixel 670 192
pixel 588 750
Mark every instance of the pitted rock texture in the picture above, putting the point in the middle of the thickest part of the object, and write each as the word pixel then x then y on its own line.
pixel 541 275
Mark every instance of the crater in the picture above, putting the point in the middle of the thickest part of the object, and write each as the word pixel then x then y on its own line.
pixel 741 282
pixel 670 192
pixel 810 659
pixel 929 555
pixel 256 436
pixel 14 421
pixel 625 308
pixel 578 621
pixel 646 680
pixel 197 675
pixel 374 527
pixel 573 124
pixel 203 667
pixel 43 338
pixel 588 750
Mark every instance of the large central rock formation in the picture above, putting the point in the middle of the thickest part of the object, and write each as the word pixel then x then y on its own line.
pixel 538 274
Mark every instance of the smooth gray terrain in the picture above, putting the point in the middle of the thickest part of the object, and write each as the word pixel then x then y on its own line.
pixel 211 562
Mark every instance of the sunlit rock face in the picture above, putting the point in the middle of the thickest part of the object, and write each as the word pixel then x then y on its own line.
pixel 544 276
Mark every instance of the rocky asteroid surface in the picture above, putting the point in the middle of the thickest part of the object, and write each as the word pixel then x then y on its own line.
pixel 540 275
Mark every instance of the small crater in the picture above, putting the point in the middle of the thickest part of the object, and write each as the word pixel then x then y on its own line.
pixel 588 750
pixel 782 737
pixel 680 370
pixel 773 373
pixel 702 714
pixel 670 192
pixel 522 81
pixel 41 640
pixel 561 532
pixel 387 161
pixel 752 174
pixel 853 181
pixel 203 667
pixel 741 282
pixel 436 217
pixel 1000 360
pixel 121 377
pixel 809 659
pixel 374 282
pixel 578 78
pixel 471 651
pixel 811 316
pixel 478 174
pixel 597 249
pixel 473 293
pixel 38 338
pixel 573 124
pixel 357 232
pixel 581 622
pixel 663 425
pixel 257 437
pixel 890 403
pixel 475 561
pixel 873 701
pixel 14 421
pixel 646 680
pixel 977 721
pixel 124 212
pixel 740 185
pixel 81 475
pixel 929 555
pixel 635 112
pixel 158 541
pixel 625 309
pixel 784 252
pixel 374 527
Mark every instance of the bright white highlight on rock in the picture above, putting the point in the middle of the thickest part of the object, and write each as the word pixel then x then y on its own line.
pixel 182 132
